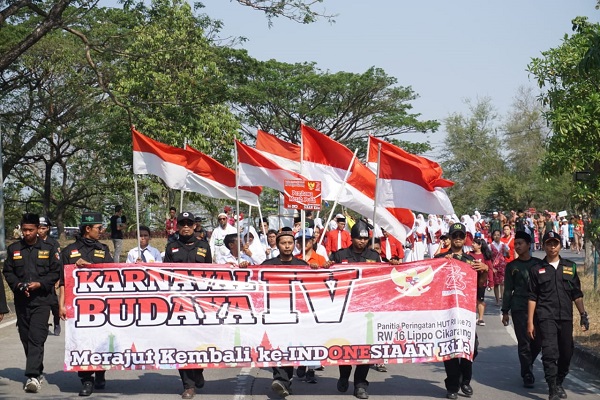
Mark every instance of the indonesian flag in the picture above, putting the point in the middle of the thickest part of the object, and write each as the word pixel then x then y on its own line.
pixel 327 160
pixel 407 180
pixel 286 154
pixel 256 169
pixel 187 170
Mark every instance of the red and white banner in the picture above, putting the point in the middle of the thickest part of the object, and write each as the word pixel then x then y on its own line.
pixel 188 170
pixel 407 180
pixel 161 316
pixel 302 195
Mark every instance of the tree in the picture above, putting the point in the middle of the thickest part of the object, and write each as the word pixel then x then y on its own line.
pixel 275 97
pixel 472 159
pixel 571 93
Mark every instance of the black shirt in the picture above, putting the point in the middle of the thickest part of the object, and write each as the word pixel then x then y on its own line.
pixel 115 220
pixel 189 250
pixel 277 261
pixel 88 249
pixel 554 290
pixel 26 263
pixel 348 255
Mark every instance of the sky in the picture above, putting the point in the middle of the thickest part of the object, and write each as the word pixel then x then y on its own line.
pixel 447 51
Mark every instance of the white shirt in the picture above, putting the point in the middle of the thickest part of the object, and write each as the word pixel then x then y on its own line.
pixel 228 258
pixel 151 254
pixel 217 237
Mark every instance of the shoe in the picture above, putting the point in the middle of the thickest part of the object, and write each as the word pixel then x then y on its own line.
pixel 528 381
pixel 279 388
pixel 361 393
pixel 380 368
pixel 452 395
pixel 188 393
pixel 481 322
pixel 310 376
pixel 57 330
pixel 87 389
pixel 466 389
pixel 301 371
pixel 560 391
pixel 342 385
pixel 321 368
pixel 32 385
pixel 100 382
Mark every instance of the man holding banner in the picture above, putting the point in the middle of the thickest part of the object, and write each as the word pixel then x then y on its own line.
pixel 86 250
pixel 358 252
pixel 460 370
pixel 282 376
pixel 188 249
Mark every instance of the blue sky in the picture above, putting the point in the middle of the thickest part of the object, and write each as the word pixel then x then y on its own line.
pixel 448 51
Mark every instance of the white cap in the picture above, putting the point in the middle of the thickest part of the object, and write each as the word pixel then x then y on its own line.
pixel 340 216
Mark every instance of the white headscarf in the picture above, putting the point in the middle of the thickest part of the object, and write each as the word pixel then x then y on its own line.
pixel 469 224
pixel 257 249
pixel 420 225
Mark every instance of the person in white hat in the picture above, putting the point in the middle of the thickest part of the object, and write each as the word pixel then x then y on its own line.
pixel 218 236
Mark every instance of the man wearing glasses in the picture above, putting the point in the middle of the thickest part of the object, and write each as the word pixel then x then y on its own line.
pixel 188 249
pixel 86 250
pixel 460 370
pixel 218 236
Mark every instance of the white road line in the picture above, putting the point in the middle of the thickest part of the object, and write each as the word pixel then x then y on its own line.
pixel 10 322
pixel 241 383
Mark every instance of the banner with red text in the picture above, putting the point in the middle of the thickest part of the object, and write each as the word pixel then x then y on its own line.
pixel 161 316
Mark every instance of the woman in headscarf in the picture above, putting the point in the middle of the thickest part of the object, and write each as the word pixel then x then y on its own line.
pixel 433 235
pixel 421 238
pixel 251 247
pixel 470 234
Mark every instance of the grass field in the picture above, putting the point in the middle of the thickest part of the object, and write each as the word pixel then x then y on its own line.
pixel 589 339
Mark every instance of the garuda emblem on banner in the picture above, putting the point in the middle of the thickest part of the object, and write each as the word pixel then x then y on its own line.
pixel 413 281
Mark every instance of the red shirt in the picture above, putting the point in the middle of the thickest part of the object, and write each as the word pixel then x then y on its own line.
pixel 395 246
pixel 509 241
pixel 171 226
pixel 332 240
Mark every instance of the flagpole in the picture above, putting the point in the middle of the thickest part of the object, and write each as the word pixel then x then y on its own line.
pixel 181 197
pixel 376 191
pixel 137 215
pixel 262 226
pixel 337 197
pixel 237 203
pixel 302 212
pixel 248 223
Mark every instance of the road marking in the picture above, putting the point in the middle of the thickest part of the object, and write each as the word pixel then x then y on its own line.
pixel 10 322
pixel 241 383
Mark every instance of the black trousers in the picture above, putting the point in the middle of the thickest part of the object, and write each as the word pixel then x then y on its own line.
pixel 557 349
pixel 284 375
pixel 459 371
pixel 192 378
pixel 32 324
pixel 360 374
pixel 55 311
pixel 527 348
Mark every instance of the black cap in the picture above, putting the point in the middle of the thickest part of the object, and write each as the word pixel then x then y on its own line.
pixel 45 221
pixel 523 235
pixel 91 218
pixel 185 216
pixel 551 236
pixel 457 227
pixel 359 230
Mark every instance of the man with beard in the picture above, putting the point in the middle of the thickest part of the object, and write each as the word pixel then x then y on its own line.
pixel 218 235
pixel 188 249
pixel 282 376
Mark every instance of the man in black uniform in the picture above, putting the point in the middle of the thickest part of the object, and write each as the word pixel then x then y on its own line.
pixel 553 287
pixel 188 249
pixel 86 250
pixel 31 269
pixel 515 299
pixel 282 376
pixel 459 371
pixel 358 252
pixel 43 233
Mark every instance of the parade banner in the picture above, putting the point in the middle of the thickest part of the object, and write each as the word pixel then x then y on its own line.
pixel 161 316
pixel 302 194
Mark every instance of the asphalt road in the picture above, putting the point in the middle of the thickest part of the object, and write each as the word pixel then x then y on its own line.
pixel 496 375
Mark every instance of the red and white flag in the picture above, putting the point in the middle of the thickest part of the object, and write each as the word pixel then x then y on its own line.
pixel 256 169
pixel 327 160
pixel 286 154
pixel 410 181
pixel 187 170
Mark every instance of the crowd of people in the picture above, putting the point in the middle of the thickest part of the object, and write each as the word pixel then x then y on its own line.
pixel 498 249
